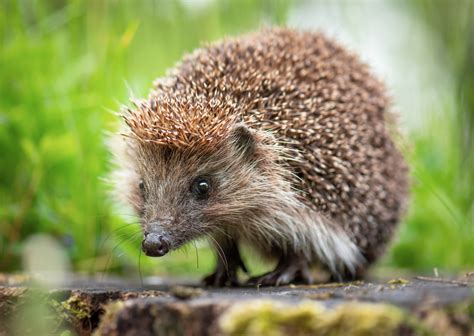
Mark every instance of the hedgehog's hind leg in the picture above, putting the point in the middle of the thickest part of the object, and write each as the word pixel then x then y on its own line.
pixel 228 263
pixel 289 270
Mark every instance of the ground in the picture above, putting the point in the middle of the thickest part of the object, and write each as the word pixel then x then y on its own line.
pixel 411 306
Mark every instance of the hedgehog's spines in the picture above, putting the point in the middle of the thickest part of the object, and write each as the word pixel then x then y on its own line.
pixel 319 115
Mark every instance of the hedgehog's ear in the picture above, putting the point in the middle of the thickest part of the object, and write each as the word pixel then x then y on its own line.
pixel 244 140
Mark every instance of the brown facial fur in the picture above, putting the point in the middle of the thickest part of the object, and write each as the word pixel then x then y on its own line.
pixel 237 169
pixel 319 152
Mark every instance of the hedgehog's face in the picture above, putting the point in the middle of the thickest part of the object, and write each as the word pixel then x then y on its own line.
pixel 182 194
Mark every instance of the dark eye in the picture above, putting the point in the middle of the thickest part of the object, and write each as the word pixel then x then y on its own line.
pixel 201 187
pixel 141 185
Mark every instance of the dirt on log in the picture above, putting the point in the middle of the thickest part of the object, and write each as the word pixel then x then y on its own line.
pixel 414 306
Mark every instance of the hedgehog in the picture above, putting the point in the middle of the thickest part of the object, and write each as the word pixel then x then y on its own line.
pixel 278 139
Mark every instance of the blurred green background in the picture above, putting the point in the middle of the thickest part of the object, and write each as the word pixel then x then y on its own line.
pixel 66 66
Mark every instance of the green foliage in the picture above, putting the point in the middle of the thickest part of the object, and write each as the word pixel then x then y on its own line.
pixel 65 66
pixel 440 228
pixel 439 231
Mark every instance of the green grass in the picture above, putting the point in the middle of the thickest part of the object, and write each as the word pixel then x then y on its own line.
pixel 439 230
pixel 66 65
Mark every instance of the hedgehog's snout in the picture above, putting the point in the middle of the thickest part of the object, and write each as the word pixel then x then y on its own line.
pixel 155 245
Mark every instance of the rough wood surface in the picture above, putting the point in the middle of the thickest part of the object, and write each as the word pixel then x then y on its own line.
pixel 116 307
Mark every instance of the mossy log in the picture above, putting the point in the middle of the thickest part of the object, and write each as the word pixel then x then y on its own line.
pixel 420 306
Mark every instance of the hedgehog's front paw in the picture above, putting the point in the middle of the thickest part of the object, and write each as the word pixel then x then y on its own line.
pixel 222 277
pixel 225 273
pixel 288 271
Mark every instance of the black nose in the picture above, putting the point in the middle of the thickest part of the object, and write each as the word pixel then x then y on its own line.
pixel 155 245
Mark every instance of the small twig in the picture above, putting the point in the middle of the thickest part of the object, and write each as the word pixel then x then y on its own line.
pixel 454 282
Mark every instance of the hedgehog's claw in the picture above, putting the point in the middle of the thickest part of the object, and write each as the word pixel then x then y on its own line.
pixel 225 273
pixel 222 277
pixel 288 270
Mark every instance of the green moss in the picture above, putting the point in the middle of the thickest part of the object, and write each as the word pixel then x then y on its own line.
pixel 74 314
pixel 399 281
pixel 267 317
pixel 77 307
pixel 264 317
